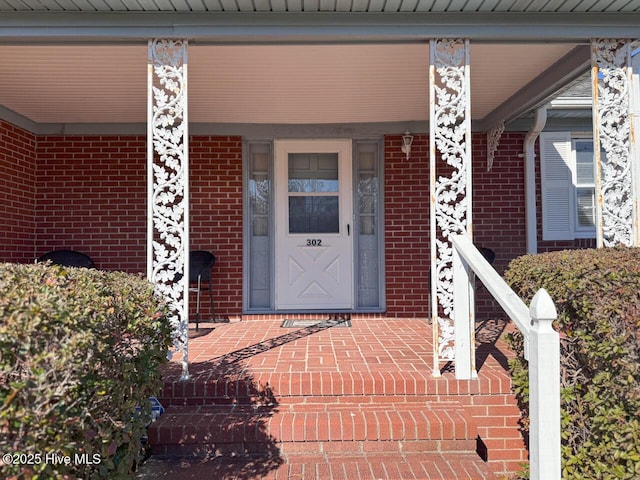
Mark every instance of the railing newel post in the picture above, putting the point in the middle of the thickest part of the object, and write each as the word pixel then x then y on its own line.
pixel 463 318
pixel 544 390
pixel 541 343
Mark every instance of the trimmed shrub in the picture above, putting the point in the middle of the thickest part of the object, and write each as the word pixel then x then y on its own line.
pixel 79 352
pixel 597 295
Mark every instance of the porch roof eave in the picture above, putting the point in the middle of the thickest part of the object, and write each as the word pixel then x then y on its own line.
pixel 541 89
pixel 325 27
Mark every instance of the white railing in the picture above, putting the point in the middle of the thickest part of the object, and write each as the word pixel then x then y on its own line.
pixel 542 350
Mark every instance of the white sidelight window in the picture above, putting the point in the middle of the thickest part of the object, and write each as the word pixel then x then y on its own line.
pixel 568 186
pixel 258 249
pixel 368 224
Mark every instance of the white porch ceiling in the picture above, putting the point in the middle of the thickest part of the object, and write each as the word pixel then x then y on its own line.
pixel 284 62
pixel 249 84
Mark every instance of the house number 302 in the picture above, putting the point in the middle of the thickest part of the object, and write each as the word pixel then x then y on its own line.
pixel 314 242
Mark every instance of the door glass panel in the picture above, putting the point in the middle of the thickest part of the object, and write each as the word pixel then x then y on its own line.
pixel 313 214
pixel 313 172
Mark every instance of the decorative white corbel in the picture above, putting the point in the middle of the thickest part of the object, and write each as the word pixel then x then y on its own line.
pixel 493 139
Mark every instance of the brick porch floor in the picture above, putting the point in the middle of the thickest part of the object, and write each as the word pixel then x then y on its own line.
pixel 331 402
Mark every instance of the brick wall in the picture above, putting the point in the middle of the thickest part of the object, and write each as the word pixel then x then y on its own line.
pixel 89 193
pixel 91 197
pixel 407 254
pixel 498 217
pixel 17 191
pixel 499 201
pixel 498 207
pixel 216 215
pixel 499 198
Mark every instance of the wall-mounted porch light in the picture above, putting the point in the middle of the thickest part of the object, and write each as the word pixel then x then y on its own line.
pixel 407 140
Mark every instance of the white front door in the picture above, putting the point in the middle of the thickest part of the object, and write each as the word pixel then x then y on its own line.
pixel 314 241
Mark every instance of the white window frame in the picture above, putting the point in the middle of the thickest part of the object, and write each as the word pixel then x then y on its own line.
pixel 559 186
pixel 582 231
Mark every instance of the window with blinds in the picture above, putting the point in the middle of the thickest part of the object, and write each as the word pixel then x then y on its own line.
pixel 567 169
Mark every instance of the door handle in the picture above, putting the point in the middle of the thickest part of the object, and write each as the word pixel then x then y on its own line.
pixel 348 230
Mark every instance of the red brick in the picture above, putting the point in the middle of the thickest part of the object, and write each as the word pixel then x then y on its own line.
pixel 85 190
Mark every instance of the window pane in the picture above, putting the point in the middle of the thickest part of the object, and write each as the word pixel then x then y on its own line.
pixel 260 227
pixel 584 146
pixel 367 161
pixel 260 162
pixel 318 214
pixel 367 225
pixel 584 173
pixel 585 163
pixel 367 183
pixel 367 204
pixel 367 195
pixel 259 186
pixel 586 207
pixel 313 172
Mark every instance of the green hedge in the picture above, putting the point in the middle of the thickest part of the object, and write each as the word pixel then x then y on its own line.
pixel 79 351
pixel 597 295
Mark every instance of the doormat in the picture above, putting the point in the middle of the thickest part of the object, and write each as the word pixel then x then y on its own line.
pixel 306 323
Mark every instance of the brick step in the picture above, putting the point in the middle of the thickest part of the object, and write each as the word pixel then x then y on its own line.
pixel 486 403
pixel 242 430
pixel 217 388
pixel 325 466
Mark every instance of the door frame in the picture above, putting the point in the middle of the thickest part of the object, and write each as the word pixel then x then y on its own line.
pixel 258 254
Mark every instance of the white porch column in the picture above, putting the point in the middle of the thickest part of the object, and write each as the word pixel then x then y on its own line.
pixel 616 175
pixel 450 142
pixel 168 184
pixel 635 129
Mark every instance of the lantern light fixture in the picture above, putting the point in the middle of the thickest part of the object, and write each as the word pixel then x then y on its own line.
pixel 407 140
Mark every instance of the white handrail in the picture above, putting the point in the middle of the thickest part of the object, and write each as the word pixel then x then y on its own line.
pixel 506 297
pixel 542 350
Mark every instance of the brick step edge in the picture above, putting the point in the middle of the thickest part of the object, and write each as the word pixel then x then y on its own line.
pixel 216 387
pixel 208 450
pixel 347 466
pixel 197 426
